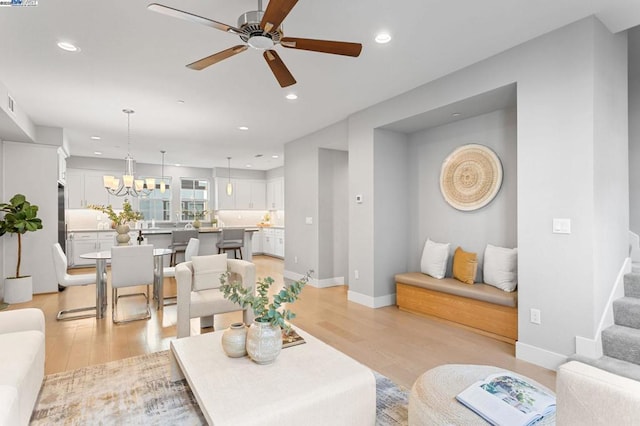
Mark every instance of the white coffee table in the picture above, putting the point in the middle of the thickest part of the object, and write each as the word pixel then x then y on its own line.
pixel 308 384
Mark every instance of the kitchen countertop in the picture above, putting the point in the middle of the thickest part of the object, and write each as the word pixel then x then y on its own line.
pixel 155 231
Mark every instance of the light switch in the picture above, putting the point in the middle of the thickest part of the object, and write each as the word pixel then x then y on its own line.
pixel 359 198
pixel 561 226
pixel 308 220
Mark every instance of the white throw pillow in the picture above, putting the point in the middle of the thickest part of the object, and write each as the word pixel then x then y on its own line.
pixel 434 259
pixel 207 271
pixel 501 267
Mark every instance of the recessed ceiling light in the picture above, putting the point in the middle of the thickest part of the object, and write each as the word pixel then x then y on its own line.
pixel 248 166
pixel 97 152
pixel 180 101
pixel 177 164
pixel 95 138
pixel 455 114
pixel 243 128
pixel 292 96
pixel 69 47
pixel 275 156
pixel 383 38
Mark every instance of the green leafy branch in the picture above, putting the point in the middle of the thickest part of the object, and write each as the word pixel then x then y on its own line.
pixel 265 311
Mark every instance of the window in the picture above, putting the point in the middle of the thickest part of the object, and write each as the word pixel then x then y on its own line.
pixel 157 205
pixel 194 197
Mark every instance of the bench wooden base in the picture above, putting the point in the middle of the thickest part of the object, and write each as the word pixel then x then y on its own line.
pixel 499 322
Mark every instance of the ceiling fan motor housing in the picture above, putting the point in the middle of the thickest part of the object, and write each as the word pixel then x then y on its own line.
pixel 255 36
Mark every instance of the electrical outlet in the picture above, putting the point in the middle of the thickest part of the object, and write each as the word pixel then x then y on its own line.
pixel 535 316
pixel 356 274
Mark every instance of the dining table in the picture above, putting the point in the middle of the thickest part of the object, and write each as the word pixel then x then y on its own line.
pixel 101 258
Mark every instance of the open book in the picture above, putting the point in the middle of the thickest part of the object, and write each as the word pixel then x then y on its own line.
pixel 504 399
pixel 291 339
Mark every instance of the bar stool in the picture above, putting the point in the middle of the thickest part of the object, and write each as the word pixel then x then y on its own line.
pixel 179 240
pixel 231 239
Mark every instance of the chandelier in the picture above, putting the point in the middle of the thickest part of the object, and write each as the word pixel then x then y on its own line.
pixel 128 185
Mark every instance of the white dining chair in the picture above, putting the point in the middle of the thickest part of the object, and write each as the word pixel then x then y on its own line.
pixel 67 280
pixel 193 247
pixel 130 266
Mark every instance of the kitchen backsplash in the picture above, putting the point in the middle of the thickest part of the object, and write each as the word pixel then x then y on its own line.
pixel 91 219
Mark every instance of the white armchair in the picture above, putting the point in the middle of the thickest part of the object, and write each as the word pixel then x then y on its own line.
pixel 207 303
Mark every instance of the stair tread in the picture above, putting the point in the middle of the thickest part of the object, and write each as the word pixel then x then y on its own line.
pixel 621 342
pixel 612 365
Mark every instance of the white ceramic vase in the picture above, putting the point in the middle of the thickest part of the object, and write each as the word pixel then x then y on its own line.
pixel 123 235
pixel 18 290
pixel 234 340
pixel 264 342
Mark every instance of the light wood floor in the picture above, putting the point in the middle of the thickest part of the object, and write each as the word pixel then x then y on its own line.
pixel 397 344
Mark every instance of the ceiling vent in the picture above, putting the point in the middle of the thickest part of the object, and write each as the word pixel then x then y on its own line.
pixel 10 104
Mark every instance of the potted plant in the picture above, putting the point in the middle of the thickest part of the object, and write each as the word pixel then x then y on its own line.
pixel 120 220
pixel 196 215
pixel 264 338
pixel 20 217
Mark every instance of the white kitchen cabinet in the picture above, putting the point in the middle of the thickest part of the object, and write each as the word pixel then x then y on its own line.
pixel 256 242
pixel 278 248
pixel 268 243
pixel 86 187
pixel 247 194
pixel 275 194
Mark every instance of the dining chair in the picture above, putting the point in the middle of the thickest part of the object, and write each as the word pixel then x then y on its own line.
pixel 179 241
pixel 66 280
pixel 170 271
pixel 130 266
pixel 231 239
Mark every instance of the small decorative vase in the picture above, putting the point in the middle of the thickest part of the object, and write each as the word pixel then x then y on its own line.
pixel 264 342
pixel 123 235
pixel 196 223
pixel 234 340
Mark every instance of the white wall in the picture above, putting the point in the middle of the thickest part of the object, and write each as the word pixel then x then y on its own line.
pixel 634 129
pixel 558 139
pixel 32 170
pixel 433 218
pixel 302 200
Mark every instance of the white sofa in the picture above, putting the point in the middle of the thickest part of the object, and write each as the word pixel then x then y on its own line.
pixel 587 395
pixel 207 303
pixel 22 354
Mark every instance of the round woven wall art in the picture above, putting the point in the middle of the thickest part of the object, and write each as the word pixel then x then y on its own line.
pixel 470 177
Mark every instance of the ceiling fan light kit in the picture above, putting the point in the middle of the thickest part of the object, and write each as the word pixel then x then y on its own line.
pixel 261 30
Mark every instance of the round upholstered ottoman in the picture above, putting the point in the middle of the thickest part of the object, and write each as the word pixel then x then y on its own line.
pixel 433 395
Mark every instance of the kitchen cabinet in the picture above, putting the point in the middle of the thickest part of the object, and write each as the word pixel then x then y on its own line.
pixel 79 243
pixel 273 242
pixel 256 242
pixel 86 187
pixel 247 194
pixel 275 194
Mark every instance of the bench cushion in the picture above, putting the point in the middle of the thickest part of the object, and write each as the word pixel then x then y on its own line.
pixel 478 291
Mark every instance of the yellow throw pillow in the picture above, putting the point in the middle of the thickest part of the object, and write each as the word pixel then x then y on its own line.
pixel 465 266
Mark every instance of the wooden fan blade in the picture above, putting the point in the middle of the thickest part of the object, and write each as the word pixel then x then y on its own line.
pixel 276 11
pixel 278 68
pixel 323 46
pixel 175 13
pixel 217 57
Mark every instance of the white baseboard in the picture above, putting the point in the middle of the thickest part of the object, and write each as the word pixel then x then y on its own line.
pixel 539 356
pixel 372 302
pixel 591 348
pixel 314 282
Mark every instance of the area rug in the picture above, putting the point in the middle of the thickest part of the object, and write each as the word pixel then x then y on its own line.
pixel 138 391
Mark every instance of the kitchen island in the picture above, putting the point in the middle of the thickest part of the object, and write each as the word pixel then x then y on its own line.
pixel 161 238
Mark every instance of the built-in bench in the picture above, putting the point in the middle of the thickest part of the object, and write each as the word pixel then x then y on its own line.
pixel 480 307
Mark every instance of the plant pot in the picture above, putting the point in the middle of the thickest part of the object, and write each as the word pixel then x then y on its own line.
pixel 123 235
pixel 264 342
pixel 18 290
pixel 234 340
pixel 196 223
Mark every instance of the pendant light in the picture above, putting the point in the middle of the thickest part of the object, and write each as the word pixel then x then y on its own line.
pixel 129 185
pixel 229 186
pixel 163 187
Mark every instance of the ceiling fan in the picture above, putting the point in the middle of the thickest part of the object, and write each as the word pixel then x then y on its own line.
pixel 260 29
